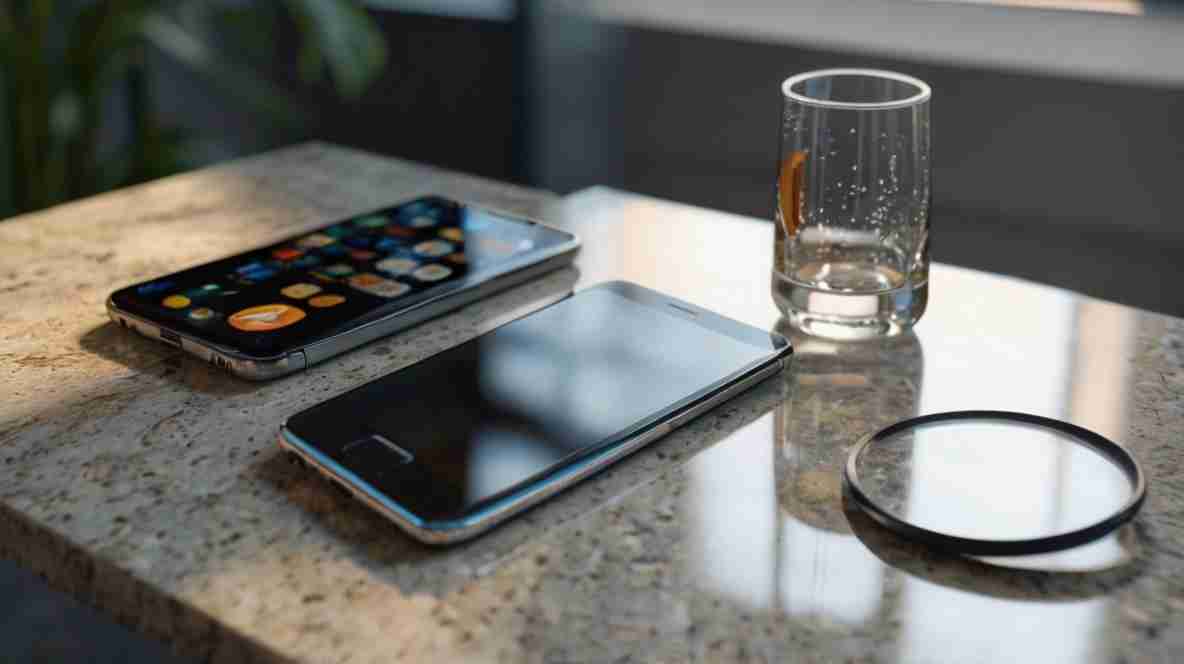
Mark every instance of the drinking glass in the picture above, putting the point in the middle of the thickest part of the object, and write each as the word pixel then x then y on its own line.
pixel 851 248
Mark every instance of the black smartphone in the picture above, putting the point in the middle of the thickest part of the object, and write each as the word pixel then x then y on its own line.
pixel 280 308
pixel 451 445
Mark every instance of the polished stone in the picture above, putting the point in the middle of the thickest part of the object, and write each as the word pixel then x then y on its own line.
pixel 149 484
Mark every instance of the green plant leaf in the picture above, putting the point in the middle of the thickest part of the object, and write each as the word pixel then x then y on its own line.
pixel 7 204
pixel 340 35
pixel 240 82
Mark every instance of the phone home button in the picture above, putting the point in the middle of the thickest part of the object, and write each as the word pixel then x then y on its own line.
pixel 380 444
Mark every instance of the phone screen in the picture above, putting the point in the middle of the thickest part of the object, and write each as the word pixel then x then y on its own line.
pixel 269 301
pixel 459 429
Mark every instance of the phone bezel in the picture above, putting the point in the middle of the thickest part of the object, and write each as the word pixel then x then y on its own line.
pixel 514 499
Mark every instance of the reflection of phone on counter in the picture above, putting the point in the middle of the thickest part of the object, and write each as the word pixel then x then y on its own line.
pixel 278 309
pixel 450 446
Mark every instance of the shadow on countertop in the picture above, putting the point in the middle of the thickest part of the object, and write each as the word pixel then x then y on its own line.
pixel 44 625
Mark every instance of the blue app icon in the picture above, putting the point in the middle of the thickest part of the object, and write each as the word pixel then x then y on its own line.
pixel 307 260
pixel 359 241
pixel 261 274
pixel 249 267
pixel 388 244
pixel 332 250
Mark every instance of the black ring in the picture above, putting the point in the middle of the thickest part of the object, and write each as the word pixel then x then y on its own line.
pixel 1116 453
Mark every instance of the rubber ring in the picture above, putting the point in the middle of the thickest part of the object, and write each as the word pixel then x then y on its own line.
pixel 1114 452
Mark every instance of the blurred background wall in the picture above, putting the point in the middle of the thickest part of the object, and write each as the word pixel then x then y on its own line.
pixel 1058 137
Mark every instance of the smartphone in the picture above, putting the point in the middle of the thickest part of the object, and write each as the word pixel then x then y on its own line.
pixel 452 445
pixel 284 307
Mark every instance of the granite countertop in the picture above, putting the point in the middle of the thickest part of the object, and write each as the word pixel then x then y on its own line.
pixel 149 484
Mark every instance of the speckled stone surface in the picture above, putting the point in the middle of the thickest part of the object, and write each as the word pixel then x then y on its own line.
pixel 149 484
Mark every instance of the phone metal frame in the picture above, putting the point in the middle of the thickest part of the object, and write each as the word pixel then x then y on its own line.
pixel 469 526
pixel 524 268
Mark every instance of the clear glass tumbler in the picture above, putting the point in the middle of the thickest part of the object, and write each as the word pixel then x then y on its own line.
pixel 851 249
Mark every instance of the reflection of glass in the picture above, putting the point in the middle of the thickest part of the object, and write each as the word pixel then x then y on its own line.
pixel 851 256
pixel 834 394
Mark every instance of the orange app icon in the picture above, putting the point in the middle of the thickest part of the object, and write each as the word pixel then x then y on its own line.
pixel 265 318
pixel 376 285
pixel 287 253
pixel 396 265
pixel 202 314
pixel 431 273
pixel 300 291
pixel 176 302
pixel 433 248
pixel 452 233
pixel 315 240
pixel 325 301
pixel 364 279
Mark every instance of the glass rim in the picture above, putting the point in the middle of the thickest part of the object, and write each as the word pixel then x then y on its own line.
pixel 921 97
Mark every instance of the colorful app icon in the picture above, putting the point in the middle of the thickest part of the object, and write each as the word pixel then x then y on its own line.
pixel 255 271
pixel 325 301
pixel 249 267
pixel 431 272
pixel 300 291
pixel 388 245
pixel 376 285
pixel 362 255
pixel 210 289
pixel 307 260
pixel 258 275
pixel 421 221
pixel 176 302
pixel 458 258
pixel 287 253
pixel 339 231
pixel 196 294
pixel 332 251
pixel 433 248
pixel 371 221
pixel 364 279
pixel 396 266
pixel 202 314
pixel 265 318
pixel 399 231
pixel 315 240
pixel 155 287
pixel 338 270
pixel 359 241
pixel 452 233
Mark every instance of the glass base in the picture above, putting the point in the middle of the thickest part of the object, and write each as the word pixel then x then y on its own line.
pixel 850 316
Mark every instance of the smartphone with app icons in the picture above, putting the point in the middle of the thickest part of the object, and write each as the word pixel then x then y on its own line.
pixel 274 310
pixel 450 446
